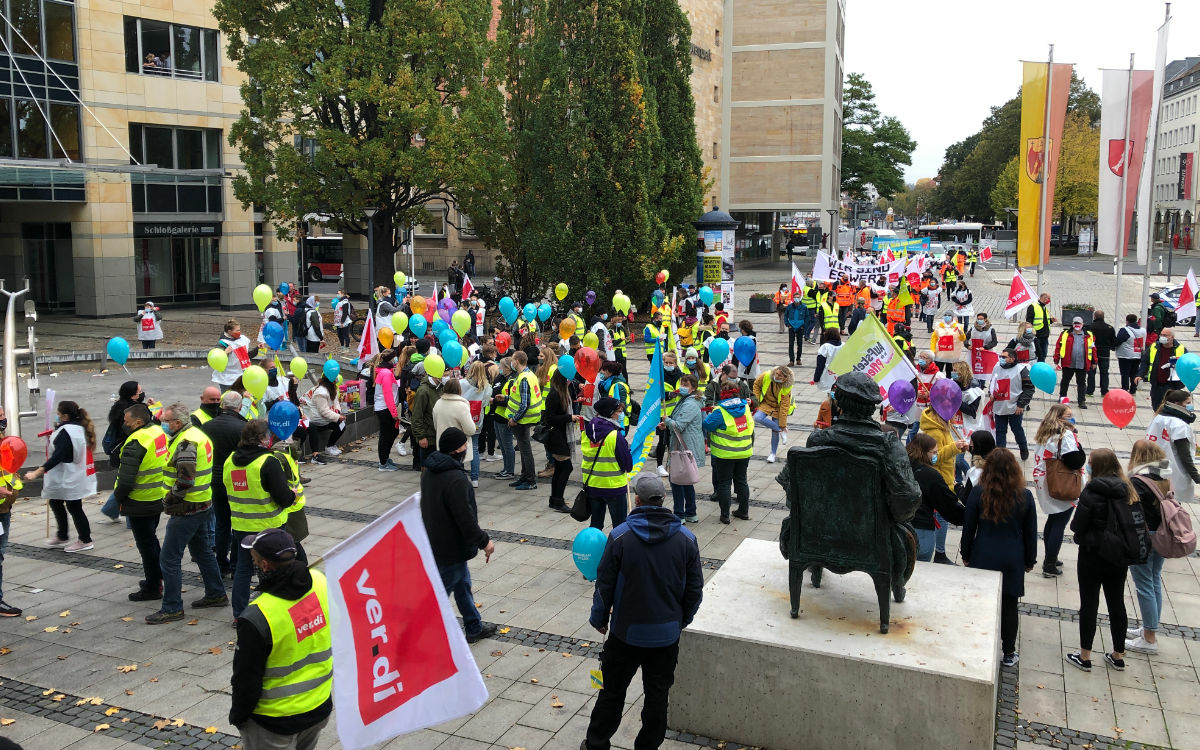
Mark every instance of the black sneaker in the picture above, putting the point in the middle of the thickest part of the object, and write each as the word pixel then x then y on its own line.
pixel 516 482
pixel 8 610
pixel 1115 663
pixel 724 519
pixel 503 475
pixel 210 601
pixel 1051 572
pixel 1075 660
pixel 1024 454
pixel 160 617
pixel 319 459
pixel 1010 660
pixel 487 632
pixel 146 595
pixel 741 515
pixel 942 559
pixel 525 486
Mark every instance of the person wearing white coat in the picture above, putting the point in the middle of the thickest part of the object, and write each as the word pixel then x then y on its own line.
pixel 238 355
pixel 1056 439
pixel 1171 430
pixel 452 410
pixel 961 298
pixel 69 475
pixel 149 322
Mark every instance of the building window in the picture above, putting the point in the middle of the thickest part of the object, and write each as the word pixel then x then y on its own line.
pixel 466 227
pixel 717 94
pixel 177 269
pixel 435 226
pixel 717 39
pixel 716 150
pixel 171 149
pixel 166 49
pixel 60 31
pixel 49 264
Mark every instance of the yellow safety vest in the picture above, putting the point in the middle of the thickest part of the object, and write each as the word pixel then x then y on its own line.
pixel 1039 317
pixel 902 342
pixel 705 373
pixel 299 674
pixel 1089 344
pixel 10 480
pixel 670 396
pixel 809 300
pixel 600 467
pixel 148 486
pixel 201 491
pixel 618 337
pixel 830 313
pixel 621 395
pixel 293 479
pixel 200 416
pixel 533 414
pixel 506 391
pixel 730 441
pixel 1154 352
pixel 251 508
pixel 650 340
pixel 579 325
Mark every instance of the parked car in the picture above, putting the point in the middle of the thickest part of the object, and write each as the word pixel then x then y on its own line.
pixel 1170 298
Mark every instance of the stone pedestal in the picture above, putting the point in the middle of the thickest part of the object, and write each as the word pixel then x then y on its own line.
pixel 749 673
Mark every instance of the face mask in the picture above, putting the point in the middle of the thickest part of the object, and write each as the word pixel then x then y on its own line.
pixel 922 363
pixel 1078 326
pixel 933 459
pixel 947 318
pixel 684 390
pixel 57 420
pixel 166 427
pixel 604 316
pixel 980 323
pixel 1088 469
pixel 954 376
pixel 669 368
pixel 1190 407
pixel 691 363
pixel 1071 421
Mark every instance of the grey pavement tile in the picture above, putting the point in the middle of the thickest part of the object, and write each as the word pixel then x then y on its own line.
pixel 1090 714
pixel 554 668
pixel 527 737
pixel 493 720
pixel 1141 724
pixel 527 692
pixel 544 714
pixel 1178 695
pixel 1184 730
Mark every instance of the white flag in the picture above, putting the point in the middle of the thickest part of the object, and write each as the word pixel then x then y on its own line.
pixel 797 280
pixel 400 660
pixel 1020 295
pixel 1146 183
pixel 1187 297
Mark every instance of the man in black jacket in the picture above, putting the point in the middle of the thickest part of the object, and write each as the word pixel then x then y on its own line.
pixel 648 588
pixel 452 523
pixel 224 430
pixel 1105 337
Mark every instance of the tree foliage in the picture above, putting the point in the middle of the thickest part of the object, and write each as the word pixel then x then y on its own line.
pixel 916 199
pixel 385 99
pixel 875 147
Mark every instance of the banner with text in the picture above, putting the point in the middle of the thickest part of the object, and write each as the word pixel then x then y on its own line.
pixel 831 268
pixel 871 351
pixel 916 245
pixel 714 263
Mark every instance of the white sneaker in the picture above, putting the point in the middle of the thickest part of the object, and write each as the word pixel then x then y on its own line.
pixel 771 458
pixel 402 449
pixel 56 542
pixel 475 483
pixel 783 437
pixel 1133 634
pixel 333 450
pixel 662 471
pixel 492 457
pixel 1141 646
pixel 78 546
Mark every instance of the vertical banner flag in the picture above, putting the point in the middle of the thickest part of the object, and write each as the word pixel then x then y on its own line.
pixel 1146 183
pixel 797 281
pixel 1187 297
pixel 467 287
pixel 986 253
pixel 1039 161
pixel 1121 154
pixel 400 661
pixel 871 351
pixel 1020 295
pixel 643 437
pixel 368 345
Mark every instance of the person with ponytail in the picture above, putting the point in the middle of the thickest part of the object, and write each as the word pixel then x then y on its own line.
pixel 69 475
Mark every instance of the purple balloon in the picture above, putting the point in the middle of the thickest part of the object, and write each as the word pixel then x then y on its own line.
pixel 590 297
pixel 448 304
pixel 445 314
pixel 902 396
pixel 946 398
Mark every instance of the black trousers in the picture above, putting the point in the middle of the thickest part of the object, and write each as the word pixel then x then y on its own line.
pixel 387 434
pixel 1080 376
pixel 321 436
pixel 619 662
pixel 1128 368
pixel 223 534
pixel 145 535
pixel 1158 391
pixel 726 473
pixel 487 435
pixel 1096 575
pixel 795 344
pixel 343 333
pixel 82 528
pixel 558 484
pixel 1102 369
pixel 1009 619
pixel 1040 344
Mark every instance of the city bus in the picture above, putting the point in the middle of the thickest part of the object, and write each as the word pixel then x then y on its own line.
pixel 323 257
pixel 958 232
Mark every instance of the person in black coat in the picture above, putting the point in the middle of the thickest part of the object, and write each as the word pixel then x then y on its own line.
pixel 1000 533
pixel 452 523
pixel 935 495
pixel 1106 338
pixel 558 416
pixel 224 430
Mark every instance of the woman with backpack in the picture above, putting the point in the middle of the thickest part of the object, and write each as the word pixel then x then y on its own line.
pixel 1171 428
pixel 1151 475
pixel 1110 529
pixel 1056 452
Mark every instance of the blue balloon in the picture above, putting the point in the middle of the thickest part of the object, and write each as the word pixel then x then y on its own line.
pixel 506 304
pixel 566 365
pixel 510 315
pixel 440 325
pixel 544 311
pixel 273 335
pixel 718 351
pixel 331 369
pixel 285 287
pixel 1187 368
pixel 417 324
pixel 706 295
pixel 452 353
pixel 118 350
pixel 744 350
pixel 283 418
pixel 587 549
pixel 530 311
pixel 1043 377
pixel 445 337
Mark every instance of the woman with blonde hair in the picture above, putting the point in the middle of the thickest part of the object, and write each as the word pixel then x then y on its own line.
pixel 1023 343
pixel 1056 440
pixel 452 410
pixel 1151 475
pixel 477 390
pixel 1099 567
pixel 773 403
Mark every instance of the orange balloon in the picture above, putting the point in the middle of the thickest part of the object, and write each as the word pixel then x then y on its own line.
pixel 417 303
pixel 566 328
pixel 386 335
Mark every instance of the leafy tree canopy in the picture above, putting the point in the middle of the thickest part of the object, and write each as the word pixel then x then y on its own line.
pixel 875 147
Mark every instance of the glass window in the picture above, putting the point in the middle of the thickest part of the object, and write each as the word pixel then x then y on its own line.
pixel 64 119
pixel 6 133
pixel 466 227
pixel 156 48
pixel 159 150
pixel 435 226
pixel 60 31
pixel 187 52
pixel 212 149
pixel 160 48
pixel 212 58
pixel 31 130
pixel 189 149
pixel 26 20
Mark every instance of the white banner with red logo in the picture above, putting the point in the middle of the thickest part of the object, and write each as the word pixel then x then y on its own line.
pixel 1020 295
pixel 400 660
pixel 1187 297
pixel 1125 103
pixel 797 281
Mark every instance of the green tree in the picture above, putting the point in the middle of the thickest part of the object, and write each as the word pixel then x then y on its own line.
pixel 386 100
pixel 1004 194
pixel 875 147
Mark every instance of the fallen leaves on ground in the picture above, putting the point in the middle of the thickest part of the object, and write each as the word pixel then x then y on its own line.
pixel 112 710
pixel 585 644
pixel 162 724
pixel 565 654
pixel 497 653
pixel 48 692
pixel 1041 686
pixel 210 730
pixel 5 651
pixel 51 629
pixel 177 722
pixel 126 619
pixel 503 631
pixel 154 679
pixel 215 650
pixel 58 698
pixel 128 692
pixel 555 702
pixel 30 618
pixel 118 567
pixel 533 680
pixel 194 622
pixel 7 722
pixel 65 613
pixel 101 728
pixel 96 701
pixel 126 668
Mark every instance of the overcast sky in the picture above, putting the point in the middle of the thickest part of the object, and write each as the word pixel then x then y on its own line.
pixel 940 65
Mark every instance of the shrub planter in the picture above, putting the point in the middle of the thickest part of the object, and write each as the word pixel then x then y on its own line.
pixel 761 305
pixel 1070 313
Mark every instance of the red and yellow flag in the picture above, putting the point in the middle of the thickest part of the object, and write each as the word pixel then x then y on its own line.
pixel 1039 161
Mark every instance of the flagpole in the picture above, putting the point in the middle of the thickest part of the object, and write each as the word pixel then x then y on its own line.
pixel 1152 137
pixel 1127 164
pixel 1046 166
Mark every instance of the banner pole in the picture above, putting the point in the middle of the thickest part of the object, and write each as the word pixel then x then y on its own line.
pixel 1152 143
pixel 1127 163
pixel 1046 166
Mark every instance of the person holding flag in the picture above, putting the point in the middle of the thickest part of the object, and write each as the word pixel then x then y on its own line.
pixel 796 315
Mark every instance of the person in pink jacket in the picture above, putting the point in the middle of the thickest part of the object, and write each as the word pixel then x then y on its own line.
pixel 386 409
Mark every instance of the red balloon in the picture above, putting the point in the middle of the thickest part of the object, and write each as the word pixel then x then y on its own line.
pixel 12 454
pixel 1119 407
pixel 503 341
pixel 659 278
pixel 587 363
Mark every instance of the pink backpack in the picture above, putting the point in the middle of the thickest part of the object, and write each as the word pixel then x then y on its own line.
pixel 1175 537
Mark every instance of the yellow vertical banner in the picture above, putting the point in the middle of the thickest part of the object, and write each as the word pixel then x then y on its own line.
pixel 1039 161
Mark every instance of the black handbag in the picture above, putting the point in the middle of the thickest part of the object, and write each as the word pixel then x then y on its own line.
pixel 581 509
pixel 540 432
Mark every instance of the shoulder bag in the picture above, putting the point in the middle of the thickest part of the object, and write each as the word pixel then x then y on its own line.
pixel 1062 483
pixel 682 468
pixel 581 509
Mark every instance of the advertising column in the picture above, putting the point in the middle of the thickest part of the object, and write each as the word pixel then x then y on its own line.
pixel 714 263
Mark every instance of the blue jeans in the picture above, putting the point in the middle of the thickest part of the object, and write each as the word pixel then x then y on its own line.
pixel 926 539
pixel 456 577
pixel 193 533
pixel 504 439
pixel 1147 579
pixel 1003 422
pixel 618 508
pixel 5 519
pixel 112 509
pixel 939 534
pixel 960 468
pixel 913 429
pixel 761 418
pixel 684 496
pixel 475 457
pixel 243 571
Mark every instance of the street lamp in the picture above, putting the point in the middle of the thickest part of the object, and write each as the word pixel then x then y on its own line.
pixel 370 212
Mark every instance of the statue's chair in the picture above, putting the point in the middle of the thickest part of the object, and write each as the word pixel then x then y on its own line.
pixel 839 521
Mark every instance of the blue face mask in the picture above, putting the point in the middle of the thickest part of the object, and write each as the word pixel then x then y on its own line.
pixel 1071 421
pixel 166 427
pixel 922 363
pixel 933 459
pixel 1190 407
pixel 684 390
pixel 691 363
pixel 669 368
pixel 947 318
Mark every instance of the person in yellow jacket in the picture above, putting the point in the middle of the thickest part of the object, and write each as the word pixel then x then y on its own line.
pixel 283 664
pixel 139 492
pixel 773 403
pixel 730 430
pixel 946 343
pixel 10 487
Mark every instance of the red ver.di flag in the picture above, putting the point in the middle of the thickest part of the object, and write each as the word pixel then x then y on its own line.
pixel 400 660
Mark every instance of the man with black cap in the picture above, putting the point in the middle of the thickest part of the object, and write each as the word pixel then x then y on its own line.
pixel 452 523
pixel 648 587
pixel 283 663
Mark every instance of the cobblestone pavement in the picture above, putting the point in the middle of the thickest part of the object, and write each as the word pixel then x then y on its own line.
pixel 85 635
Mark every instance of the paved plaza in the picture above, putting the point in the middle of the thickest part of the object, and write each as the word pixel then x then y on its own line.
pixel 82 670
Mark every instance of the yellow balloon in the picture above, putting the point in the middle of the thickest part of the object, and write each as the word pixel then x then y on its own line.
pixel 299 367
pixel 666 275
pixel 385 337
pixel 218 359
pixel 435 366
pixel 566 328
pixel 560 290
pixel 417 303
pixel 399 322
pixel 255 380
pixel 399 278
pixel 460 321
pixel 263 296
pixel 590 340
